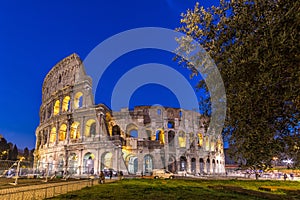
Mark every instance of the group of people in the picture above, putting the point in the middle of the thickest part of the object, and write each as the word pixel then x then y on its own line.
pixel 110 174
pixel 285 176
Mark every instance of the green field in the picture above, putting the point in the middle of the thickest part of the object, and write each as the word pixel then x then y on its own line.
pixel 189 189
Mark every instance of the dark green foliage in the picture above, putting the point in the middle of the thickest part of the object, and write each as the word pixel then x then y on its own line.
pixel 255 45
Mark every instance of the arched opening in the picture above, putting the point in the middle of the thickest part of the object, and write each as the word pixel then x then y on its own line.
pixel 171 136
pixel 148 134
pixel 160 136
pixel 148 164
pixel 75 130
pixel 88 163
pixel 133 165
pixel 158 111
pixel 60 166
pixel 172 164
pixel 78 100
pixel 201 165
pixel 90 128
pixel 56 107
pixel 116 130
pixel 62 132
pixel 219 146
pixel 72 163
pixel 212 145
pixel 193 165
pixel 182 139
pixel 200 139
pixel 171 124
pixel 133 133
pixel 106 161
pixel 214 166
pixel 207 143
pixel 208 165
pixel 50 165
pixel 53 135
pixel 66 104
pixel 183 163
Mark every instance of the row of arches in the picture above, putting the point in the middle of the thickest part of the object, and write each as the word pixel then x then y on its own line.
pixel 204 165
pixel 75 131
pixel 65 105
pixel 62 105
pixel 74 164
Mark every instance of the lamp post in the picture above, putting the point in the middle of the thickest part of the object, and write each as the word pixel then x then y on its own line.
pixel 18 170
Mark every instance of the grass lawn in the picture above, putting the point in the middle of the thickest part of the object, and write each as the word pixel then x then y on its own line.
pixel 188 189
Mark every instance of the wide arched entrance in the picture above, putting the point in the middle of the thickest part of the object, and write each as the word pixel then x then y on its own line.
pixel 73 163
pixel 88 163
pixel 132 164
pixel 172 164
pixel 183 163
pixel 201 165
pixel 106 161
pixel 193 165
pixel 148 164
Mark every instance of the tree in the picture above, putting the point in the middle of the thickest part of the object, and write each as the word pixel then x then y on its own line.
pixel 15 153
pixel 255 45
pixel 4 148
pixel 26 153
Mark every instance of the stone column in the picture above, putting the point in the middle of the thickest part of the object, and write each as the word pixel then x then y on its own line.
pixel 98 126
pixel 204 166
pixel 57 133
pixel 48 135
pixel 197 165
pixel 210 166
pixel 188 164
pixel 82 129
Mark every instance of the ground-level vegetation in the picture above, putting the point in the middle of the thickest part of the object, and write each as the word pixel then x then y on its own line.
pixel 189 189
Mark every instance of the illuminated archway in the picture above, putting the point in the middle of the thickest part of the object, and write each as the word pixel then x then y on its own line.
pixel 160 136
pixel 66 104
pixel 90 128
pixel 53 135
pixel 200 139
pixel 60 166
pixel 78 100
pixel 62 132
pixel 106 161
pixel 183 163
pixel 88 163
pixel 148 163
pixel 132 164
pixel 73 163
pixel 56 107
pixel 75 130
pixel 182 139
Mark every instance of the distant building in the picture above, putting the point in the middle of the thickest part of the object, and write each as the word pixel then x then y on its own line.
pixel 79 137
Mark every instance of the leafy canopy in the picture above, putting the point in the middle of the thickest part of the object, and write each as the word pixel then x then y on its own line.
pixel 255 45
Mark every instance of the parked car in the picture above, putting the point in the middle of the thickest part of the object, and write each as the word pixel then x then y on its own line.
pixel 162 173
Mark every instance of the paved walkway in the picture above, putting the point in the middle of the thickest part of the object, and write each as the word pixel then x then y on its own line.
pixel 46 190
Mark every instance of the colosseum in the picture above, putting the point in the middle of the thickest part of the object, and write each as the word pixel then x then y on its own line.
pixel 78 137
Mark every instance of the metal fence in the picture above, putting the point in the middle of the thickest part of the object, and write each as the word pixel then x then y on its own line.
pixel 37 192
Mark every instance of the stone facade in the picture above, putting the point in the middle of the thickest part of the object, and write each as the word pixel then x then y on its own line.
pixel 77 136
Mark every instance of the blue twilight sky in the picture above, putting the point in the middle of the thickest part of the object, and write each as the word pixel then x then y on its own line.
pixel 35 35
